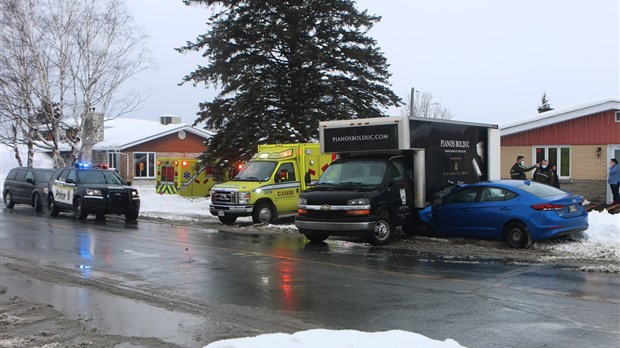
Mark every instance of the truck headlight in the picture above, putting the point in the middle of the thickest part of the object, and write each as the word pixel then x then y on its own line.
pixel 93 192
pixel 244 197
pixel 359 201
pixel 302 201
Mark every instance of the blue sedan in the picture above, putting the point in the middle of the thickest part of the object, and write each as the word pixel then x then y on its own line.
pixel 516 211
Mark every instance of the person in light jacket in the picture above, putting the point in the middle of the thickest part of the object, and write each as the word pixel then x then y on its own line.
pixel 614 181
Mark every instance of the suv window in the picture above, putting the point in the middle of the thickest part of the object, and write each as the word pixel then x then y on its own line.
pixel 21 175
pixel 12 174
pixel 29 175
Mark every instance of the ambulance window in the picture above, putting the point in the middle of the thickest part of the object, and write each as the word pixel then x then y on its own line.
pixel 289 170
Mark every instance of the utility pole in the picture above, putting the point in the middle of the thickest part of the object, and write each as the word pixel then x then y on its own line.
pixel 412 102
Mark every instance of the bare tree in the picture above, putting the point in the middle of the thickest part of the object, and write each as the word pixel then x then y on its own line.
pixel 425 106
pixel 62 60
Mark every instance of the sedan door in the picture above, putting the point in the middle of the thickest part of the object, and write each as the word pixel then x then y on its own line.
pixel 492 210
pixel 454 215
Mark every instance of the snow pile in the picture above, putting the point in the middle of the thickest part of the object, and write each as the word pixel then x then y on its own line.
pixel 336 339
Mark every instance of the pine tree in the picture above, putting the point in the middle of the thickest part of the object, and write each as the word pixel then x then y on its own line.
pixel 282 66
pixel 544 104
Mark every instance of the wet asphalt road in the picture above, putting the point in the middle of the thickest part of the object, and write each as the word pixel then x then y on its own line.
pixel 190 285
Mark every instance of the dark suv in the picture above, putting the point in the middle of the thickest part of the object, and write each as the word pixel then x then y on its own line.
pixel 26 186
pixel 91 190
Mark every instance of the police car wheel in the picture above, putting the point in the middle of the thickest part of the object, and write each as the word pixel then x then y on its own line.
pixel 383 231
pixel 131 215
pixel 51 205
pixel 79 210
pixel 263 213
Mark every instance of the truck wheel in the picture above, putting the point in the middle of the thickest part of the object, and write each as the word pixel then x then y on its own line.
pixel 383 231
pixel 8 200
pixel 36 202
pixel 51 206
pixel 263 213
pixel 516 235
pixel 131 215
pixel 227 220
pixel 315 237
pixel 79 211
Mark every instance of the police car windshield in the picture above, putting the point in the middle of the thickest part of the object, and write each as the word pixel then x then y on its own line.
pixel 99 177
pixel 364 173
pixel 256 171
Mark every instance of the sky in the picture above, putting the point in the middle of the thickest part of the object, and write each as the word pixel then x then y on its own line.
pixel 486 61
pixel 601 240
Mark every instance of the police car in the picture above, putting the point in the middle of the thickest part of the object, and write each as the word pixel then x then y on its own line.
pixel 85 189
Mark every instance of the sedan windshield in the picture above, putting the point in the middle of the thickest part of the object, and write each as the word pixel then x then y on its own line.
pixel 256 171
pixel 365 173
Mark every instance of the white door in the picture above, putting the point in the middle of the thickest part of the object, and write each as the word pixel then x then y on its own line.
pixel 613 151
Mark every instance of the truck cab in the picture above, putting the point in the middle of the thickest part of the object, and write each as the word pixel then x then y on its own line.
pixel 367 195
pixel 268 187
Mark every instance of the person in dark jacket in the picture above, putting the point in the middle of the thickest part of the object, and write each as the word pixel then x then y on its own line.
pixel 556 178
pixel 614 182
pixel 543 173
pixel 518 170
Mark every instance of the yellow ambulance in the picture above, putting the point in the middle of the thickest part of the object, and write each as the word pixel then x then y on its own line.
pixel 268 186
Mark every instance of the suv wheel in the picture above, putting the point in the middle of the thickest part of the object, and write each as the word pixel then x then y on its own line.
pixel 8 200
pixel 36 202
pixel 79 210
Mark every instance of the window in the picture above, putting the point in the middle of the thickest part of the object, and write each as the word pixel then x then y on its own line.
pixel 397 171
pixel 144 164
pixel 494 194
pixel 463 196
pixel 617 116
pixel 558 155
pixel 114 159
pixel 30 176
pixel 286 172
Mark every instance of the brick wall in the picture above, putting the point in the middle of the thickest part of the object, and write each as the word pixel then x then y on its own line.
pixel 588 172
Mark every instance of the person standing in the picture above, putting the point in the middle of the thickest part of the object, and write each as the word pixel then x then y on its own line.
pixel 556 178
pixel 518 170
pixel 543 173
pixel 614 182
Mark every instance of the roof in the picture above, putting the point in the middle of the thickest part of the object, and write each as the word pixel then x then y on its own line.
pixel 122 133
pixel 560 115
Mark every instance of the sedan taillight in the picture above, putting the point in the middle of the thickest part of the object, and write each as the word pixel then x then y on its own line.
pixel 547 206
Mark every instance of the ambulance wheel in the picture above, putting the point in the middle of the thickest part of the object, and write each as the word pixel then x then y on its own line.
pixel 79 211
pixel 52 209
pixel 227 220
pixel 383 231
pixel 263 213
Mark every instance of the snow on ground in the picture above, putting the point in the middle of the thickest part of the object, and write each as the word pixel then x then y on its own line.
pixel 601 239
pixel 336 339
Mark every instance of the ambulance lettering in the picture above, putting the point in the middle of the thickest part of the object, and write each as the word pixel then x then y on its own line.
pixel 286 193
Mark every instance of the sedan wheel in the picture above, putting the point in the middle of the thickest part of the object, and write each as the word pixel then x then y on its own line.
pixel 51 206
pixel 38 205
pixel 516 235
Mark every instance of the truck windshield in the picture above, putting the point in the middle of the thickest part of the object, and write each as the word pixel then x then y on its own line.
pixel 256 171
pixel 365 173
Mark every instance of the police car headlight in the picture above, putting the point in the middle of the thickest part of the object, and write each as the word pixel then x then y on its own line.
pixel 302 201
pixel 244 197
pixel 134 193
pixel 93 192
pixel 359 201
